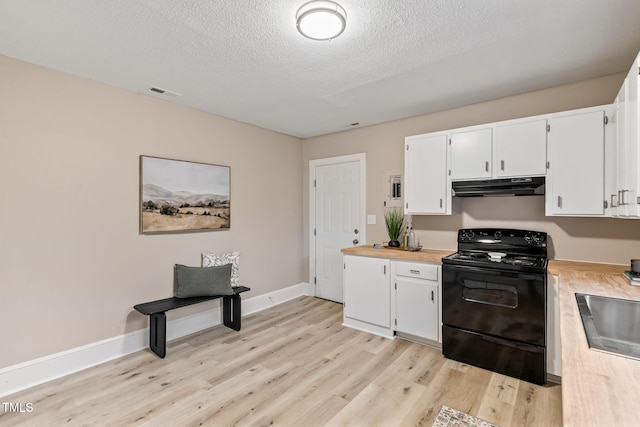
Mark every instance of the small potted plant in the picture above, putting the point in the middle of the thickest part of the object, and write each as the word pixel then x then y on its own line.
pixel 394 220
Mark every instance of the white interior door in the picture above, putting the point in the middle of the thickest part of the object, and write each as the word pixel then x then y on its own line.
pixel 337 220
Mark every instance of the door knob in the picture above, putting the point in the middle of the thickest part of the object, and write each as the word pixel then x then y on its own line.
pixel 355 241
pixel 356 231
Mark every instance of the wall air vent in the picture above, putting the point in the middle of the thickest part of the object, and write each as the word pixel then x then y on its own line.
pixel 164 92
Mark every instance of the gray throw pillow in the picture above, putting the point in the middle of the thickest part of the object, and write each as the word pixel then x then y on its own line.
pixel 202 281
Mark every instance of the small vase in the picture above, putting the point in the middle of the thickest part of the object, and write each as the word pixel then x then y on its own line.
pixel 394 244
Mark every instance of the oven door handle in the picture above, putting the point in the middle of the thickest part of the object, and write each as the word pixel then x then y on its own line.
pixel 514 344
pixel 490 303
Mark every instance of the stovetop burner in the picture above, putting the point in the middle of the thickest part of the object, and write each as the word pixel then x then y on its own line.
pixel 518 250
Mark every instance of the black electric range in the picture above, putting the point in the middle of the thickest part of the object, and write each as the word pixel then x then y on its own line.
pixel 494 301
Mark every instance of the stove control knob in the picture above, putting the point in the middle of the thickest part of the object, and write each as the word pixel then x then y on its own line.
pixel 497 234
pixel 470 234
pixel 528 238
pixel 537 238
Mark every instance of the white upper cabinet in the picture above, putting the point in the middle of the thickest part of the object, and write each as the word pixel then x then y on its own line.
pixel 427 189
pixel 626 197
pixel 471 155
pixel 504 150
pixel 575 179
pixel 520 149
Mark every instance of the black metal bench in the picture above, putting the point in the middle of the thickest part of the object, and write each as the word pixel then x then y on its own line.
pixel 158 320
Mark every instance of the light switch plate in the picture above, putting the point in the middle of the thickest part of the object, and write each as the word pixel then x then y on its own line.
pixel 371 219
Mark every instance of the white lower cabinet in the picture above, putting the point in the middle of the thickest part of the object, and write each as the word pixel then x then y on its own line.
pixel 417 308
pixel 384 297
pixel 367 294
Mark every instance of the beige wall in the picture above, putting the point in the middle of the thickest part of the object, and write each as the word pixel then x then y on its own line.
pixel 601 240
pixel 72 263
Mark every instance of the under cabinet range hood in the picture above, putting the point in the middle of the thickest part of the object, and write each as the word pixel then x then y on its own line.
pixel 533 186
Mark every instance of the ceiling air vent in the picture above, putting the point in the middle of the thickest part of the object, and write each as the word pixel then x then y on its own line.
pixel 164 92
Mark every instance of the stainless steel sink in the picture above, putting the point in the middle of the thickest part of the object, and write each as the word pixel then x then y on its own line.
pixel 611 324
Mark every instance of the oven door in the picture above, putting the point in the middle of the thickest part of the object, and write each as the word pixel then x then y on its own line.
pixel 501 303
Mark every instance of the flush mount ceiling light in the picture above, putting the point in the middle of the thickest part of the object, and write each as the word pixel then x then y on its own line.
pixel 321 20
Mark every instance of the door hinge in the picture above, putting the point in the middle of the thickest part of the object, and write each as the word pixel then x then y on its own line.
pixel 606 120
pixel 314 231
pixel 407 147
pixel 395 322
pixel 315 183
pixel 315 281
pixel 548 164
pixel 606 204
pixel 407 205
pixel 395 286
pixel 449 172
pixel 449 141
pixel 548 128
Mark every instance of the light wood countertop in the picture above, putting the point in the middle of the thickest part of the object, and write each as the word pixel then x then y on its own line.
pixel 598 389
pixel 424 255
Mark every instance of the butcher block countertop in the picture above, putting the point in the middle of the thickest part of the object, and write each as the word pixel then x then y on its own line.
pixel 598 389
pixel 425 255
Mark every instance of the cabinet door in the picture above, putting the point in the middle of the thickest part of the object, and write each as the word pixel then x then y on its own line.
pixel 628 166
pixel 575 181
pixel 520 149
pixel 417 308
pixel 470 154
pixel 367 293
pixel 425 172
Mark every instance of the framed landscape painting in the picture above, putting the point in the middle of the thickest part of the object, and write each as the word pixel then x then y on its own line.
pixel 181 196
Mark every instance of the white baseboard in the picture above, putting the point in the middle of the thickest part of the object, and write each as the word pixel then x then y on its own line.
pixel 33 372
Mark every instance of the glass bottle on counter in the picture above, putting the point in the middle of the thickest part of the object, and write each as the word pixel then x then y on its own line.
pixel 405 238
pixel 412 238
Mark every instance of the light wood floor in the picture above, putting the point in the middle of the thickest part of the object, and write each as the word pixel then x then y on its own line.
pixel 291 365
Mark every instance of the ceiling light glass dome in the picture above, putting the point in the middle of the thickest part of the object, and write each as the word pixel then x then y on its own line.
pixel 321 20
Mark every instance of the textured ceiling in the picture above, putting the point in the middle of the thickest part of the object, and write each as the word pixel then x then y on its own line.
pixel 245 59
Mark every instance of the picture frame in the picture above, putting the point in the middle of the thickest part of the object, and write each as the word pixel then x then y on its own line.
pixel 179 196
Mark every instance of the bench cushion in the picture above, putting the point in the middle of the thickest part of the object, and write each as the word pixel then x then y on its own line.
pixel 198 281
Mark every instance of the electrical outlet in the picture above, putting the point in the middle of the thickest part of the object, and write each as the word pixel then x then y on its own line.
pixel 371 219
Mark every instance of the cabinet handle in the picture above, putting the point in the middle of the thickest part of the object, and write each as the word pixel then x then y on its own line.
pixel 384 269
pixel 414 271
pixel 621 197
pixel 613 204
pixel 559 202
pixel 501 164
pixel 486 166
pixel 433 297
pixel 440 203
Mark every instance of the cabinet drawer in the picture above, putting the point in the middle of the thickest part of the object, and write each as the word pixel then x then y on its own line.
pixel 417 270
